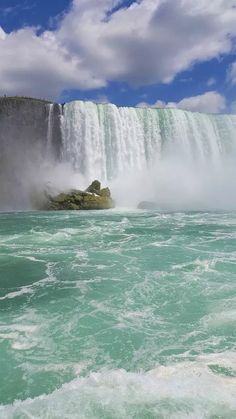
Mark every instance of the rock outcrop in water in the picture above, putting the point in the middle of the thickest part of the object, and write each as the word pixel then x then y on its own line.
pixel 93 198
pixel 147 205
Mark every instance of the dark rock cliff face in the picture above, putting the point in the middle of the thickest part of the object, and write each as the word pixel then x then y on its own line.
pixel 27 126
pixel 25 121
pixel 24 117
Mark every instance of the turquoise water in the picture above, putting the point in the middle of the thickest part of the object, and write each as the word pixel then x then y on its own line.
pixel 117 314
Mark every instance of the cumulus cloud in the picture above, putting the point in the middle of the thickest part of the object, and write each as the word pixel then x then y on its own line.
pixel 157 104
pixel 98 41
pixel 102 99
pixel 211 81
pixel 233 107
pixel 232 74
pixel 2 34
pixel 32 64
pixel 211 102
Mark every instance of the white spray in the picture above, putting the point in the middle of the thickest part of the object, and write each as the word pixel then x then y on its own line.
pixel 182 160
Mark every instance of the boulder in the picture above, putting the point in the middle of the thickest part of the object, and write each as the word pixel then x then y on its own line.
pixel 95 187
pixel 105 192
pixel 62 197
pixel 148 205
pixel 94 202
pixel 94 198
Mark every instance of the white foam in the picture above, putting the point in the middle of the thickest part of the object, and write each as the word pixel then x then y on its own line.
pixel 22 291
pixel 184 390
pixel 201 265
pixel 219 319
pixel 22 336
pixel 30 289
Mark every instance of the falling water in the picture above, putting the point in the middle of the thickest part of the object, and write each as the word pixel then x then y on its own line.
pixel 49 148
pixel 105 141
pixel 176 158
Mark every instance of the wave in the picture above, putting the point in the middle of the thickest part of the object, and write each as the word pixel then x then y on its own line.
pixel 199 389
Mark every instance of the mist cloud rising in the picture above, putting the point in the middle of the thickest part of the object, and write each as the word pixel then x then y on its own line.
pixel 175 185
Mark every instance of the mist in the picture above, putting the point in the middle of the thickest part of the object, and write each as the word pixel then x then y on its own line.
pixel 175 185
pixel 178 160
pixel 171 183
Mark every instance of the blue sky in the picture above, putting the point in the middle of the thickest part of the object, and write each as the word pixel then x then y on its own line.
pixel 60 50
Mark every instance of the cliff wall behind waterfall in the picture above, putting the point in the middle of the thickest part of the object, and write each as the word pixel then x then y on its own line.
pixel 25 145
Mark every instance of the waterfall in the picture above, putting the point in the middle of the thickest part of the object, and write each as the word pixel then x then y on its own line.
pixel 50 130
pixel 179 159
pixel 105 141
pixel 54 130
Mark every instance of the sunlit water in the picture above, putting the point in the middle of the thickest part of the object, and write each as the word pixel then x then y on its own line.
pixel 118 314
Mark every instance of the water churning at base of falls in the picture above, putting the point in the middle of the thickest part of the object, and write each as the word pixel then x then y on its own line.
pixel 118 314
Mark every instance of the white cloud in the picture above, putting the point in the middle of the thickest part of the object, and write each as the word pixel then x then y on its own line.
pixel 233 107
pixel 2 34
pixel 102 99
pixel 157 104
pixel 149 42
pixel 232 74
pixel 186 80
pixel 37 65
pixel 211 81
pixel 211 102
pixel 5 11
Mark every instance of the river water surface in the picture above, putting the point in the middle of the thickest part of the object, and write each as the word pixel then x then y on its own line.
pixel 117 314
